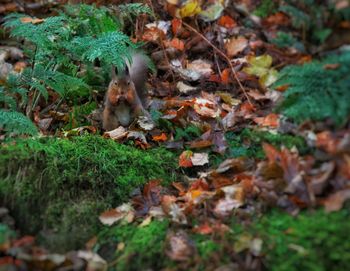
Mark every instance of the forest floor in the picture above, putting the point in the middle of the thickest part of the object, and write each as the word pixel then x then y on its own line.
pixel 246 165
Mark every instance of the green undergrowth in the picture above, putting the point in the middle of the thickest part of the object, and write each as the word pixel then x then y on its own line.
pixel 311 241
pixel 248 143
pixel 317 90
pixel 314 240
pixel 138 246
pixel 59 186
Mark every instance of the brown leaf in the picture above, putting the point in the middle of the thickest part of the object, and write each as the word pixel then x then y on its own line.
pixel 27 20
pixel 236 45
pixel 336 201
pixel 179 246
pixel 112 216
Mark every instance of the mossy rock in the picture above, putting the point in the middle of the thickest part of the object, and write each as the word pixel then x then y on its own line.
pixel 59 186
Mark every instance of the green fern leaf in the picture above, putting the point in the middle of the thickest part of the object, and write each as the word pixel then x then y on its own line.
pixel 316 92
pixel 16 123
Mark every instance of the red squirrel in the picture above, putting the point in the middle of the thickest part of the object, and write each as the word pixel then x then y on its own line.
pixel 126 97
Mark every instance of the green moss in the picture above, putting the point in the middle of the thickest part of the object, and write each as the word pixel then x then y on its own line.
pixel 61 185
pixel 144 246
pixel 248 143
pixel 311 241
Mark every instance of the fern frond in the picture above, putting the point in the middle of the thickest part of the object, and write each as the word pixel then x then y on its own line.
pixel 16 123
pixel 134 9
pixel 63 84
pixel 316 92
pixel 88 19
pixel 110 48
pixel 41 34
pixel 299 18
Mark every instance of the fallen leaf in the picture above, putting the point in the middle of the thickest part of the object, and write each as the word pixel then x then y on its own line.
pixel 112 216
pixel 116 134
pixel 185 159
pixel 199 159
pixel 160 138
pixel 271 120
pixel 227 22
pixel 190 9
pixel 183 88
pixel 179 246
pixel 175 43
pixel 261 66
pixel 206 108
pixel 235 45
pixel 27 20
pixel 203 229
pixel 212 12
pixel 336 201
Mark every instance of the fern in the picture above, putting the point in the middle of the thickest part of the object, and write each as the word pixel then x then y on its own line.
pixel 13 94
pixel 299 18
pixel 63 50
pixel 134 9
pixel 265 8
pixel 81 33
pixel 110 48
pixel 316 92
pixel 89 20
pixel 13 122
pixel 42 34
pixel 65 85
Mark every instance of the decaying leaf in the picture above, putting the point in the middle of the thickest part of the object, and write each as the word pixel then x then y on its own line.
pixel 235 45
pixel 261 66
pixel 179 246
pixel 123 212
pixel 199 159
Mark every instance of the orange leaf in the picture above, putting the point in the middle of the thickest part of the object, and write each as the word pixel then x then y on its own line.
pixel 203 229
pixel 185 159
pixel 225 76
pixel 227 21
pixel 152 34
pixel 175 43
pixel 271 120
pixel 282 88
pixel 176 24
pixel 160 138
pixel 27 20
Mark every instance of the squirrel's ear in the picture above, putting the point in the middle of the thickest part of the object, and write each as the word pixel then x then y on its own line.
pixel 120 74
pixel 114 71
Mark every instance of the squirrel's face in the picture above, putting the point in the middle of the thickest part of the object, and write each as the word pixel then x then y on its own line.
pixel 121 90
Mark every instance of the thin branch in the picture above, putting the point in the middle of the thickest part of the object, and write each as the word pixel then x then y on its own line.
pixel 224 56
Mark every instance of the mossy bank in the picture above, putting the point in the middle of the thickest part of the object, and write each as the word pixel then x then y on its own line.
pixel 58 187
pixel 314 240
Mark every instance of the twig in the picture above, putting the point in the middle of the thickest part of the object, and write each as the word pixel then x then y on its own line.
pixel 224 56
